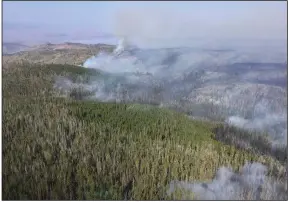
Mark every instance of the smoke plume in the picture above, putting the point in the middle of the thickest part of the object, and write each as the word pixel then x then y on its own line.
pixel 170 76
pixel 172 60
pixel 162 27
pixel 250 183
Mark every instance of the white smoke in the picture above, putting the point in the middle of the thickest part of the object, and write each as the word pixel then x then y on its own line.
pixel 266 120
pixel 162 27
pixel 120 47
pixel 264 124
pixel 250 184
pixel 168 76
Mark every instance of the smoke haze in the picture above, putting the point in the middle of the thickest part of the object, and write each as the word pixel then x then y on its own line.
pixel 220 64
pixel 210 60
pixel 163 27
pixel 250 184
pixel 203 83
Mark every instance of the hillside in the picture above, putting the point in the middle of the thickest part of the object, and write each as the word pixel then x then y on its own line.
pixel 60 148
pixel 66 53
pixel 10 48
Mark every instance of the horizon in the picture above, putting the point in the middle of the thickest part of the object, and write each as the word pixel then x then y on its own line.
pixel 58 21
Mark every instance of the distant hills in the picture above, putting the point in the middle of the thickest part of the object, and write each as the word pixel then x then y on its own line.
pixel 62 53
pixel 9 48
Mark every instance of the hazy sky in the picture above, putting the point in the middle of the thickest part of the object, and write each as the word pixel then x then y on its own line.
pixel 246 19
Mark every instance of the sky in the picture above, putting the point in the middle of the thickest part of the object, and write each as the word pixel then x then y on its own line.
pixel 246 19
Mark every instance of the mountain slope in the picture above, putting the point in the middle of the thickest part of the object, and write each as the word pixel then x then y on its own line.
pixel 60 148
pixel 66 53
